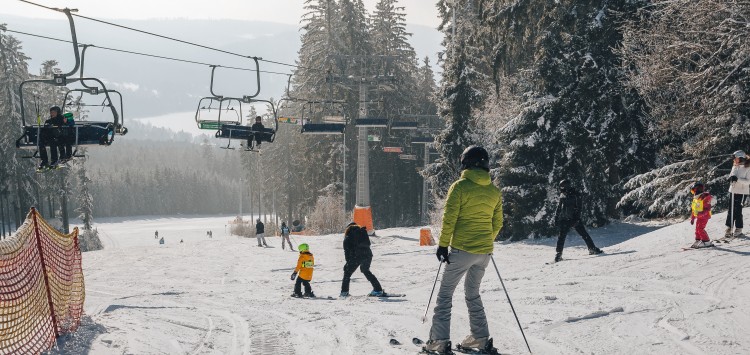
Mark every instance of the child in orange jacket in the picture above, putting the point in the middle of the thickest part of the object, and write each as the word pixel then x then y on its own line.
pixel 305 265
pixel 700 210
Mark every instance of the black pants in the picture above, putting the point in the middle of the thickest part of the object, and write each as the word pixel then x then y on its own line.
pixel 298 286
pixel 43 153
pixel 565 226
pixel 363 263
pixel 737 213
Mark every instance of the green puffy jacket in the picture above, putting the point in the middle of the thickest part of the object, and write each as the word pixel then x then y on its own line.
pixel 473 213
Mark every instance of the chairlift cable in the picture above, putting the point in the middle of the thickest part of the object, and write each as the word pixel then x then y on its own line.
pixel 144 54
pixel 169 38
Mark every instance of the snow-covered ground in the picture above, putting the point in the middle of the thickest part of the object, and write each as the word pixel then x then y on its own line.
pixel 227 296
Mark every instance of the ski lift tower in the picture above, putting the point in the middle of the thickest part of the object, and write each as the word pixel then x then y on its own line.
pixel 364 80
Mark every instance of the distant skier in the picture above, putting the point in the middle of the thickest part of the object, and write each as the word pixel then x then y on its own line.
pixel 472 219
pixel 305 266
pixel 156 235
pixel 182 241
pixel 285 236
pixel 161 241
pixel 210 234
pixel 700 210
pixel 568 215
pixel 259 233
pixel 739 186
pixel 358 254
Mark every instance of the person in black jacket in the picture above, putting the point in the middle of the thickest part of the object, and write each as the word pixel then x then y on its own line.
pixel 358 255
pixel 260 128
pixel 50 136
pixel 260 229
pixel 568 215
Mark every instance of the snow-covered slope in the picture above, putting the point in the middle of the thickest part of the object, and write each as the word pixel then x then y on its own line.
pixel 227 296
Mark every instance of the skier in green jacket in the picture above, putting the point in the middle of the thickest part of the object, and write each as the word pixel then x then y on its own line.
pixel 472 218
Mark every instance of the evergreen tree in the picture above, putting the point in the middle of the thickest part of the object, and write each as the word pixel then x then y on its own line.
pixel 580 122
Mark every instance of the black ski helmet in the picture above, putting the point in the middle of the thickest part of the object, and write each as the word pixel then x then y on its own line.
pixel 475 157
pixel 564 184
pixel 56 109
pixel 697 188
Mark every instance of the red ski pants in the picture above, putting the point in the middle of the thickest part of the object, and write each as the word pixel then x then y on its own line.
pixel 700 229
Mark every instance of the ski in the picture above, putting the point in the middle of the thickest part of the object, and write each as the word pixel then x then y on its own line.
pixel 322 298
pixel 385 295
pixel 691 248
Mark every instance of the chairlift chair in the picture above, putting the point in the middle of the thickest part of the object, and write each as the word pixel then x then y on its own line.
pixel 85 132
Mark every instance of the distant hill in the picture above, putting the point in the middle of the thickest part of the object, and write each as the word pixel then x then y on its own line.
pixel 153 86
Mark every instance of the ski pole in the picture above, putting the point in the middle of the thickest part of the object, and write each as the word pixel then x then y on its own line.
pixel 510 303
pixel 732 213
pixel 424 318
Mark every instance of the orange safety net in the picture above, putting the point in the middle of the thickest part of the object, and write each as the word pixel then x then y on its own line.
pixel 41 287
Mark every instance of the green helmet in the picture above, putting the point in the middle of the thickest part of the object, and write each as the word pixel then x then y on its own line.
pixel 68 115
pixel 303 247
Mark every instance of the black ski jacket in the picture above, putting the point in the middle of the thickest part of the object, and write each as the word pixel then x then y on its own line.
pixel 259 228
pixel 356 243
pixel 569 207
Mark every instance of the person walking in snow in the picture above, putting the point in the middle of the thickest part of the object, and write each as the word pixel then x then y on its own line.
pixel 472 219
pixel 156 235
pixel 739 186
pixel 567 216
pixel 358 254
pixel 700 210
pixel 303 272
pixel 285 236
pixel 259 233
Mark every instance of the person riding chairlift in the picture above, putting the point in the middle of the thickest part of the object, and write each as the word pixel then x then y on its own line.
pixel 257 127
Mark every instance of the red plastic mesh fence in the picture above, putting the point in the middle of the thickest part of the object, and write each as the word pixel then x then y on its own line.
pixel 41 287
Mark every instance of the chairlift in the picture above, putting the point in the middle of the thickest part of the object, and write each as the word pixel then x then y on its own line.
pixel 422 140
pixel 82 132
pixel 231 127
pixel 332 121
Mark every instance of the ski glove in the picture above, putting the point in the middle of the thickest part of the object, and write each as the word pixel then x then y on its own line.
pixel 294 276
pixel 692 220
pixel 733 178
pixel 442 254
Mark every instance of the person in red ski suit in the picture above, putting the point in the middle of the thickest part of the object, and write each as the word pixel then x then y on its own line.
pixel 701 210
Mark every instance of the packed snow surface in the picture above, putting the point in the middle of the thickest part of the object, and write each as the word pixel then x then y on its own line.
pixel 227 296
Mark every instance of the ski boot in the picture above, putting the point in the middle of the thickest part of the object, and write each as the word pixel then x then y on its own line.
pixel 376 293
pixel 42 168
pixel 558 257
pixel 438 347
pixel 343 294
pixel 695 244
pixel 738 233
pixel 297 295
pixel 702 244
pixel 595 251
pixel 728 232
pixel 478 346
pixel 309 294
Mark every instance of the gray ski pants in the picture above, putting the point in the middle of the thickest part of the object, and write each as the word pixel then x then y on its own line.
pixel 261 239
pixel 473 266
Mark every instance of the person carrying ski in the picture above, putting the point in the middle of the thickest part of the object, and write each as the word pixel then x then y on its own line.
pixel 285 236
pixel 259 233
pixel 701 211
pixel 567 216
pixel 358 254
pixel 472 219
pixel 50 136
pixel 303 272
pixel 739 186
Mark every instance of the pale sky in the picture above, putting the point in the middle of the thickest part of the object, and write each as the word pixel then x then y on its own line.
pixel 422 12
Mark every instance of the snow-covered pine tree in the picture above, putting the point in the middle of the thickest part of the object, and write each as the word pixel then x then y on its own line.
pixel 400 95
pixel 690 63
pixel 579 123
pixel 13 70
pixel 459 94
